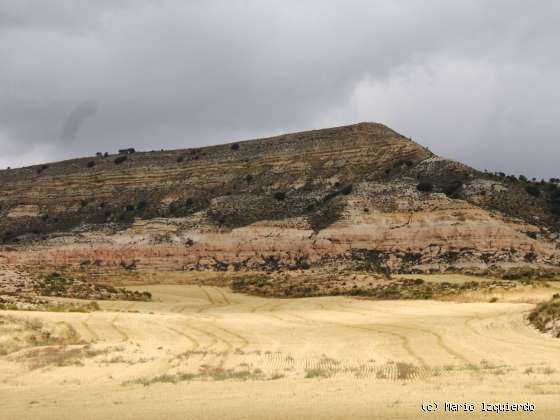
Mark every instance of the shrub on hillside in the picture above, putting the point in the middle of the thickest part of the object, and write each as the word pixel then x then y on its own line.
pixel 533 190
pixel 347 189
pixel 425 187
pixel 544 316
pixel 453 189
pixel 42 168
pixel 555 202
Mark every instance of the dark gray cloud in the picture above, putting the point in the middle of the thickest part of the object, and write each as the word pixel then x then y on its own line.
pixel 76 118
pixel 474 80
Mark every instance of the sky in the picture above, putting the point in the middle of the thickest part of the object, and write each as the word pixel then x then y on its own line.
pixel 475 81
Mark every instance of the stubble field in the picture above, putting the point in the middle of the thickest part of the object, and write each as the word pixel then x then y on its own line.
pixel 204 352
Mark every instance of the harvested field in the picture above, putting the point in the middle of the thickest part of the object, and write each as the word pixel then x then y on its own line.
pixel 204 352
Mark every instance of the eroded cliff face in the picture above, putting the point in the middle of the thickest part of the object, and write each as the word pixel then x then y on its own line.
pixel 342 197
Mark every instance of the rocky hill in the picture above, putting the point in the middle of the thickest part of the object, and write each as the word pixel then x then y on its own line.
pixel 361 196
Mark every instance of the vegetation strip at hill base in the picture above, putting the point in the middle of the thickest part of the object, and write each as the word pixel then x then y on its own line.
pixel 17 333
pixel 40 290
pixel 382 289
pixel 546 316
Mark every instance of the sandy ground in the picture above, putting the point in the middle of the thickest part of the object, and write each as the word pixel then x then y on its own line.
pixel 205 353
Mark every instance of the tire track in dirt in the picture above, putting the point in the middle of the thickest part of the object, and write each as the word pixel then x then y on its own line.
pixel 163 365
pixel 118 329
pixel 129 307
pixel 224 297
pixel 208 296
pixel 222 300
pixel 87 327
pixel 439 339
pixel 321 306
pixel 213 303
pixel 245 342
pixel 182 308
pixel 226 354
pixel 68 326
pixel 215 340
pixel 470 320
pixel 405 343
pixel 424 367
pixel 195 344
pixel 402 338
pixel 307 322
pixel 271 307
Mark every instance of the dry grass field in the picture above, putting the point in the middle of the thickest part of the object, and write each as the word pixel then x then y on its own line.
pixel 202 352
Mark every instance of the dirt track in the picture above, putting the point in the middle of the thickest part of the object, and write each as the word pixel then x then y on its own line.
pixel 203 352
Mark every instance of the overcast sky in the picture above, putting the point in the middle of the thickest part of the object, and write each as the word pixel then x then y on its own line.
pixel 473 80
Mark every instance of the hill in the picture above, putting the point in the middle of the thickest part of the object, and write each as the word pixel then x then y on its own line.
pixel 361 197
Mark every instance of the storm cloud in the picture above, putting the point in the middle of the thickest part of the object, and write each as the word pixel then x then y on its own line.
pixel 473 80
pixel 76 118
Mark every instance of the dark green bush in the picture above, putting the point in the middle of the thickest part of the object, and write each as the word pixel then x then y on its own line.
pixel 555 207
pixel 453 189
pixel 42 168
pixel 347 189
pixel 533 190
pixel 425 187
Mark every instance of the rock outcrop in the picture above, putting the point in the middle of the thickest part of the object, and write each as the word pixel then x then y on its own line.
pixel 340 197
